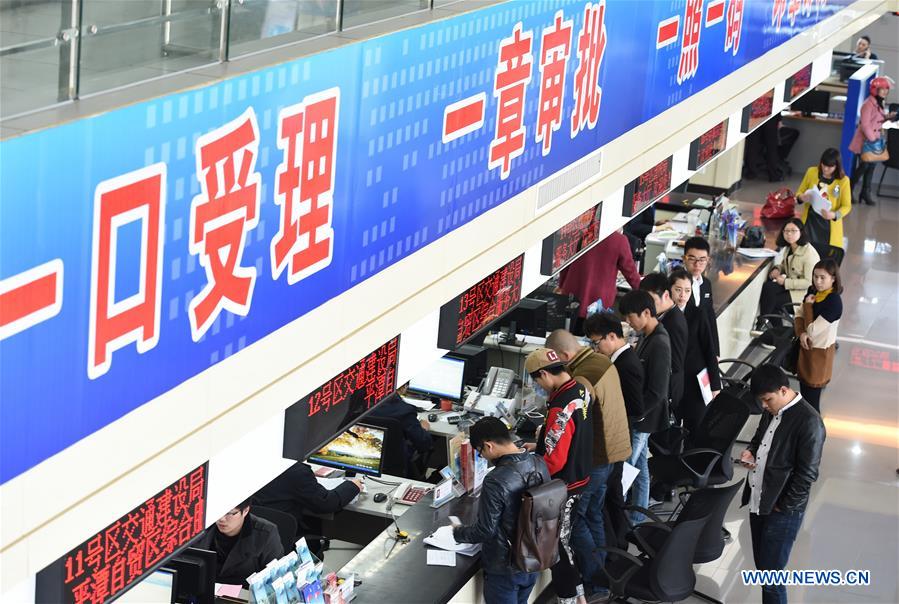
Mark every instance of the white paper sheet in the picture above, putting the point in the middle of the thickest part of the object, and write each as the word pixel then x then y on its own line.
pixel 424 405
pixel 757 252
pixel 439 557
pixel 443 538
pixel 705 385
pixel 628 475
pixel 329 483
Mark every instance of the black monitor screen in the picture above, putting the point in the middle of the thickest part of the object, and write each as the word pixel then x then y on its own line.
pixel 358 449
pixel 813 101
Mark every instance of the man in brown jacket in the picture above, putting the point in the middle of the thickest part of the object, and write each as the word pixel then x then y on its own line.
pixel 611 445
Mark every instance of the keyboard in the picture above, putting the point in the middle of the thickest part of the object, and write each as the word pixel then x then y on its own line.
pixel 412 494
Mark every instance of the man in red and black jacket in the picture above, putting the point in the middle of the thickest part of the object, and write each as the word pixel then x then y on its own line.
pixel 566 445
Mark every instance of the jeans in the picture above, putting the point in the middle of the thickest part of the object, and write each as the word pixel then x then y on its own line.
pixel 508 589
pixel 639 459
pixel 772 539
pixel 587 532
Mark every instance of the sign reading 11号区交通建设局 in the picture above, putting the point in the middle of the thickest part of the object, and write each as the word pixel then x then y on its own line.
pixel 151 242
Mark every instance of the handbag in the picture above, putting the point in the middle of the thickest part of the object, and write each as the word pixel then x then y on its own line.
pixel 779 204
pixel 875 151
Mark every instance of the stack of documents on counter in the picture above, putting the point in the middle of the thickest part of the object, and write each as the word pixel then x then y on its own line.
pixel 443 538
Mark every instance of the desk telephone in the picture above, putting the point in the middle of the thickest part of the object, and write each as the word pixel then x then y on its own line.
pixel 498 382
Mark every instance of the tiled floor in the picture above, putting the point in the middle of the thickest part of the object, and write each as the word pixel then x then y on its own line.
pixel 853 519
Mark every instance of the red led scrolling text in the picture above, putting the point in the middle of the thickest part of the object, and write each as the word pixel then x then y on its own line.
pixel 651 184
pixel 375 375
pixel 575 236
pixel 118 556
pixel 869 358
pixel 488 299
pixel 711 143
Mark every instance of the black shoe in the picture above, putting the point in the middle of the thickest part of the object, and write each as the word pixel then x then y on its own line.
pixel 869 202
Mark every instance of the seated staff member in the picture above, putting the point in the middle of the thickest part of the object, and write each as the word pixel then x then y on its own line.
pixel 789 280
pixel 500 501
pixel 816 327
pixel 417 440
pixel 700 352
pixel 297 492
pixel 697 254
pixel 611 445
pixel 672 318
pixel 826 227
pixel 243 544
pixel 566 444
pixel 654 350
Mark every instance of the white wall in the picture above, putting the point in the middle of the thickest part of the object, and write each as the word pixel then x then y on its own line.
pixel 235 407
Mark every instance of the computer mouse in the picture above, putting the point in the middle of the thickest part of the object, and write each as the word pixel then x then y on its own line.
pixel 380 498
pixel 432 417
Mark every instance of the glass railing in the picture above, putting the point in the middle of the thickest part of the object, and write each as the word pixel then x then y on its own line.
pixel 55 51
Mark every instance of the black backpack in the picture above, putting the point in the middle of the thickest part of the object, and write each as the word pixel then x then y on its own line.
pixel 537 532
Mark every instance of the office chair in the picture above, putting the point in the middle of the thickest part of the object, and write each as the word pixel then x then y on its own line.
pixel 286 524
pixel 708 503
pixel 893 162
pixel 666 576
pixel 393 449
pixel 706 458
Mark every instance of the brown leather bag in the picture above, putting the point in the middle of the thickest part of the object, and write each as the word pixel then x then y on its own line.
pixel 536 544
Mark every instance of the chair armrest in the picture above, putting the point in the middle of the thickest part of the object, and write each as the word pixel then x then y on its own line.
pixel 642 543
pixel 619 584
pixel 636 508
pixel 704 475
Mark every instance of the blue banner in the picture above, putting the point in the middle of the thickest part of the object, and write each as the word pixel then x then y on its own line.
pixel 144 245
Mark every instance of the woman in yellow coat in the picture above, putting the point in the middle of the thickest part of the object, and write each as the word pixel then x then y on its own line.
pixel 825 227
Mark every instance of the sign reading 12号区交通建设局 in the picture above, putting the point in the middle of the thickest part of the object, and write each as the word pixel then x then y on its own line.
pixel 144 245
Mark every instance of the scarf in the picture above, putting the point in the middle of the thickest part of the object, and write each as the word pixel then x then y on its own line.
pixel 819 296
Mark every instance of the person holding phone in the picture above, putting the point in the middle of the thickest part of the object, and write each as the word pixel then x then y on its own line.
pixel 783 459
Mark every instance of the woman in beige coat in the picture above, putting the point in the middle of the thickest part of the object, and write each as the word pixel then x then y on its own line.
pixel 789 280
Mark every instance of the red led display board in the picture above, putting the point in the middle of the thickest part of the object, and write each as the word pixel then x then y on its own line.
pixel 573 238
pixel 757 112
pixel 707 146
pixel 798 83
pixel 646 188
pixel 480 305
pixel 130 548
pixel 316 418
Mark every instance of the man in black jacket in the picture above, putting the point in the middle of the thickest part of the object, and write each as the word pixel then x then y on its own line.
pixel 243 544
pixel 499 503
pixel 654 350
pixel 700 353
pixel 783 457
pixel 672 318
pixel 297 492
pixel 697 254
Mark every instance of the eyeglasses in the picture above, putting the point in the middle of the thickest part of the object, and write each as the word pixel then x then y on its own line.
pixel 698 259
pixel 792 231
pixel 232 513
pixel 594 344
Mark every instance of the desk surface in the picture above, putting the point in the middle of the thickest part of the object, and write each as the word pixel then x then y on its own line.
pixel 402 574
pixel 729 272
pixel 365 502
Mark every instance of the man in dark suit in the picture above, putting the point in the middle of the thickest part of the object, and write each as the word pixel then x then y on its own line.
pixel 700 352
pixel 783 459
pixel 697 254
pixel 297 492
pixel 243 544
pixel 672 318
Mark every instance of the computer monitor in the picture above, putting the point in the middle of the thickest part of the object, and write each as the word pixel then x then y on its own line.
pixel 443 378
pixel 197 570
pixel 156 588
pixel 528 317
pixel 813 101
pixel 359 449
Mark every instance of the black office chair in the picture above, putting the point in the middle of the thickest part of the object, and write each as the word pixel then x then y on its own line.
pixel 666 576
pixel 706 456
pixel 893 162
pixel 709 503
pixel 393 449
pixel 825 250
pixel 287 524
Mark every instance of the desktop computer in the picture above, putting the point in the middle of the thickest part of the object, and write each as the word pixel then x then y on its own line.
pixel 528 317
pixel 359 450
pixel 159 587
pixel 196 575
pixel 443 379
pixel 813 101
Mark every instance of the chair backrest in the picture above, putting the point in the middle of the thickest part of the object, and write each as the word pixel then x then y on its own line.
pixel 671 573
pixel 711 504
pixel 893 148
pixel 393 448
pixel 721 425
pixel 287 524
